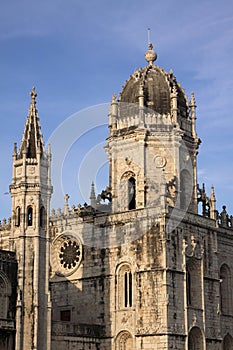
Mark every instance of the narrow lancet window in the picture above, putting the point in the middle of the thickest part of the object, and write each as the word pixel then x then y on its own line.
pixel 132 193
pixel 17 217
pixel 128 289
pixel 125 287
pixel 42 217
pixel 29 216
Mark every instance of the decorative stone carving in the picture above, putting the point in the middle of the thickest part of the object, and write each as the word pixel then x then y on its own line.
pixel 194 247
pixel 160 161
pixel 19 171
pixel 31 170
pixel 66 254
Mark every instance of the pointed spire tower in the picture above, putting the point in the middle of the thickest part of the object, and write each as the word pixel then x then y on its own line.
pixel 32 141
pixel 31 193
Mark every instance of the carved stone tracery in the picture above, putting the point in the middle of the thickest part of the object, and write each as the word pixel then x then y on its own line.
pixel 66 254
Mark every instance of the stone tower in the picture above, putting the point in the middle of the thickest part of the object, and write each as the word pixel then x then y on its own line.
pixel 153 144
pixel 31 192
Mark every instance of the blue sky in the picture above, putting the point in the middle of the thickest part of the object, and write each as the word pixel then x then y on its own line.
pixel 78 53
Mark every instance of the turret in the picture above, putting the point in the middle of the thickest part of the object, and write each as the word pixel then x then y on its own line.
pixel 152 131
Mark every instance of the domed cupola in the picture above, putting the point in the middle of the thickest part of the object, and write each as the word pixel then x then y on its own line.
pixel 152 143
pixel 159 89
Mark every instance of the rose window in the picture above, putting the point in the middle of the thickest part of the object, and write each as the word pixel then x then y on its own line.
pixel 66 253
pixel 70 254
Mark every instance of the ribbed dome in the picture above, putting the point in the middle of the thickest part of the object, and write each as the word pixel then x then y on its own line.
pixel 157 86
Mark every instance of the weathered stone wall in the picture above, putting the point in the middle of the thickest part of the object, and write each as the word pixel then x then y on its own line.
pixel 8 294
pixel 160 317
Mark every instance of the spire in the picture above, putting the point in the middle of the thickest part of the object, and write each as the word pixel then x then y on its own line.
pixel 92 195
pixel 32 140
pixel 150 54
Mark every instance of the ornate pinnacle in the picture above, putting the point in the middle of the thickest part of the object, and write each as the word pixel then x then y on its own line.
pixel 66 204
pixel 92 191
pixel 114 97
pixel 33 95
pixel 92 195
pixel 66 197
pixel 212 196
pixel 192 101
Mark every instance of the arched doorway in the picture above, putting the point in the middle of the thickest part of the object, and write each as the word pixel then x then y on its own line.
pixel 124 341
pixel 228 342
pixel 195 339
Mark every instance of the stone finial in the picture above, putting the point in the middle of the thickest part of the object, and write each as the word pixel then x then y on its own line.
pixel 66 197
pixel 212 195
pixel 192 100
pixel 224 217
pixel 79 208
pixel 66 204
pixel 192 105
pixel 150 54
pixel 33 95
pixel 15 148
pixel 114 97
pixel 212 204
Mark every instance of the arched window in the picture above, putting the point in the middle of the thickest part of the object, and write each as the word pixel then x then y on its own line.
pixel 125 287
pixel 17 216
pixel 127 191
pixel 194 283
pixel 225 289
pixel 42 217
pixel 128 288
pixel 228 342
pixel 29 216
pixel 4 295
pixel 124 341
pixel 195 339
pixel 132 193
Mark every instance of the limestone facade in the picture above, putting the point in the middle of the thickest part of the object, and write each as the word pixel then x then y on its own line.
pixel 149 269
